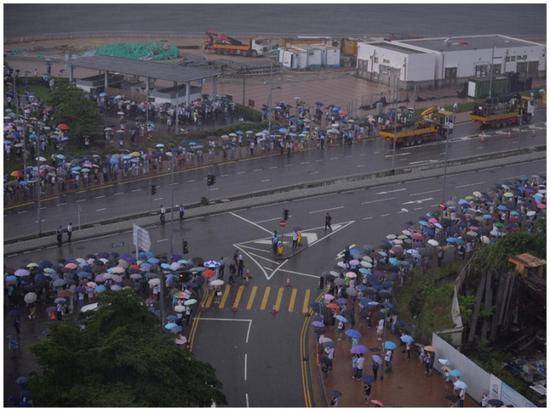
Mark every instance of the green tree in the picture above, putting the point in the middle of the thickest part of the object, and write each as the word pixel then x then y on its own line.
pixel 73 108
pixel 119 358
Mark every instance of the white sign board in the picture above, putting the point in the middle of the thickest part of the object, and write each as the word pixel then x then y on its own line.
pixel 141 238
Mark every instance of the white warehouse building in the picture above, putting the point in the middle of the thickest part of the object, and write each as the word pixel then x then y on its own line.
pixel 448 60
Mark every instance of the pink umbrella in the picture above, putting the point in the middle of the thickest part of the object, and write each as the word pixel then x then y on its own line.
pixel 542 206
pixel 100 278
pixel 354 262
pixel 433 220
pixel 416 236
pixel 117 278
pixel 71 266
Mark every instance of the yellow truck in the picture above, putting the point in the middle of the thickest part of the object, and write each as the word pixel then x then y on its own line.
pixel 497 114
pixel 431 126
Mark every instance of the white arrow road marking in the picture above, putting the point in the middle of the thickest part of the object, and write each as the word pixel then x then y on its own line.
pixel 252 258
pixel 404 210
pixel 310 237
pixel 250 222
pixel 325 209
pixel 391 191
pixel 378 201
pixel 277 269
pixel 418 201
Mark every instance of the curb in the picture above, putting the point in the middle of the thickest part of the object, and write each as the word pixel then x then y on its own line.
pixel 307 190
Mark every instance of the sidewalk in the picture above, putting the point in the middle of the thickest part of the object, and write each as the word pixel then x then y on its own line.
pixel 406 386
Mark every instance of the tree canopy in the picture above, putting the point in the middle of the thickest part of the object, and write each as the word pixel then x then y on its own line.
pixel 119 358
pixel 73 108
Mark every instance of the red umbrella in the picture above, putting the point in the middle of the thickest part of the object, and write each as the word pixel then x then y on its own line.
pixel 208 273
pixel 332 306
pixel 17 174
pixel 63 126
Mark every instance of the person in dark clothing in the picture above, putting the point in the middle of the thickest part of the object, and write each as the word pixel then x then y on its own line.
pixel 232 271
pixel 328 222
pixel 321 282
pixel 59 234
pixel 375 367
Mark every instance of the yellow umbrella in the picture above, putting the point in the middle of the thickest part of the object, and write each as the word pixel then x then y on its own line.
pixel 135 154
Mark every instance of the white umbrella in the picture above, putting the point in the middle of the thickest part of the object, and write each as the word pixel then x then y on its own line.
pixel 179 308
pixel 154 281
pixel 485 239
pixel 407 233
pixel 391 236
pixel 190 302
pixel 30 298
pixel 118 270
pixel 460 385
pixel 366 264
pixel 351 274
pixel 432 242
pixel 216 283
pixel 367 258
pixel 89 307
pixel 181 340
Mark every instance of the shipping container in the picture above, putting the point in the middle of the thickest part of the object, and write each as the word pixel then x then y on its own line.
pixel 479 87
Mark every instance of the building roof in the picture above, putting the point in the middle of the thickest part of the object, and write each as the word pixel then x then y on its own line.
pixel 469 42
pixel 161 71
pixel 395 47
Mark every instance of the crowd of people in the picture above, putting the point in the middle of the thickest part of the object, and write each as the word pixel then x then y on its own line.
pixel 358 292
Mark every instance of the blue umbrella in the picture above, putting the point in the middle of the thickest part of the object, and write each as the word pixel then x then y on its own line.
pixel 318 324
pixel 353 333
pixel 11 279
pixel 341 318
pixel 359 349
pixel 367 379
pixel 170 326
pixel 165 266
pixel 342 301
pixel 455 373
pixel 502 207
pixel 282 130
pixel 100 289
pixel 364 301
pixel 38 278
pixel 365 271
pixel 463 202
pixel 487 217
pixel 211 264
pixel 84 274
pixel 451 240
pixel 407 339
pixel 390 345
pixel 153 260
pixel 423 223
pixel 394 261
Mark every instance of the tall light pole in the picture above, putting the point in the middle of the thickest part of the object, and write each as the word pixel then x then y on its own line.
pixel 393 82
pixel 491 72
pixel 38 188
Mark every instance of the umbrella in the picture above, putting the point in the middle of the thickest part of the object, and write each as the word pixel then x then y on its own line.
pixel 455 373
pixel 154 281
pixel 22 272
pixel 211 264
pixel 208 273
pixel 389 345
pixel 351 274
pixel 377 359
pixel 460 385
pixel 353 333
pixel 59 282
pixel 341 318
pixel 190 302
pixel 136 276
pixel 330 344
pixel 367 379
pixel 63 126
pixel 433 242
pixel 17 174
pixel 359 349
pixel 495 403
pixel 179 308
pixel 115 287
pixel 216 283
pixel 100 289
pixel 429 348
pixel 377 403
pixel 181 340
pixel 318 324
pixel 11 279
pixel 71 266
pixel 170 326
pixel 197 270
pixel 407 339
pixel 328 297
pixel 30 298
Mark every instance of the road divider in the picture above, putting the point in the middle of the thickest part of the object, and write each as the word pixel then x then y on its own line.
pixel 280 194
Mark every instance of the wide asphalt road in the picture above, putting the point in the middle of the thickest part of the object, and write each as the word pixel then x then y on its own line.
pixel 256 354
pixel 246 176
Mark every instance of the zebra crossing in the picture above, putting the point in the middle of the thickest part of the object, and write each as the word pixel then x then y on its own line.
pixel 263 298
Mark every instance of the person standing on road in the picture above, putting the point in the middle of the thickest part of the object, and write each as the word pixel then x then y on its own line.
pixel 367 389
pixel 240 265
pixel 162 214
pixel 294 240
pixel 69 231
pixel 232 271
pixel 275 241
pixel 375 367
pixel 59 234
pixel 359 365
pixel 328 222
pixel 221 268
pixel 182 212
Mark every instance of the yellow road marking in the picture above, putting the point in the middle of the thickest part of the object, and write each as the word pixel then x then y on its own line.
pixel 279 299
pixel 251 298
pixel 305 307
pixel 209 300
pixel 240 292
pixel 292 300
pixel 265 298
pixel 225 295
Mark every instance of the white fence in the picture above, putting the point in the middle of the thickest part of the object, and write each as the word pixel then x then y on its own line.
pixel 478 380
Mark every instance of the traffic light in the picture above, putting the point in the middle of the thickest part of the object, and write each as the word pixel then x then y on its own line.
pixel 153 189
pixel 185 247
pixel 210 179
pixel 285 214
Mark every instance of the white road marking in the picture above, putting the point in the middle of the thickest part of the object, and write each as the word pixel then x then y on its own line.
pixel 337 228
pixel 378 201
pixel 250 222
pixel 298 273
pixel 424 192
pixel 135 190
pixel 257 169
pixel 418 201
pixel 418 208
pixel 158 199
pixel 384 215
pixel 367 218
pixel 100 197
pixel 376 152
pixel 305 162
pixel 262 257
pixel 241 172
pixel 247 403
pixel 100 209
pixel 230 319
pixel 214 188
pixel 398 155
pixel 325 209
pixel 470 185
pixel 256 249
pixel 245 360
pixel 119 193
pixel 269 219
pixel 22 211
pixel 391 191
pixel 265 180
pixel 253 259
pixel 43 208
pixel 174 183
pixel 61 204
pixel 162 240
pixel 224 175
pixel 314 172
pixel 273 167
pixel 334 158
pixel 191 181
pixel 277 269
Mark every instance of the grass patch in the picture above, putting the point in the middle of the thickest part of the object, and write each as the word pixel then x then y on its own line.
pixel 425 301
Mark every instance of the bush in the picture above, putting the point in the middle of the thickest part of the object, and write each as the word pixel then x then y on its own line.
pixel 248 113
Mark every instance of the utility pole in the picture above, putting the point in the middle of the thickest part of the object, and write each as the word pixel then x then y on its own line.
pixel 394 122
pixel 244 88
pixel 491 72
pixel 38 188
pixel 443 197
pixel 270 94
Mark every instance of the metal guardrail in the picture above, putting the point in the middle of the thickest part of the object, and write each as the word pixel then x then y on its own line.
pixel 307 185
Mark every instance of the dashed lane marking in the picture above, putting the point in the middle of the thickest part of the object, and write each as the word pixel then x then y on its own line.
pixel 279 299
pixel 209 300
pixel 292 300
pixel 251 298
pixel 225 295
pixel 100 209
pixel 265 298
pixel 305 306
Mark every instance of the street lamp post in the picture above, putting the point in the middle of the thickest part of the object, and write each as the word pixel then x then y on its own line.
pixel 394 121
pixel 38 188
